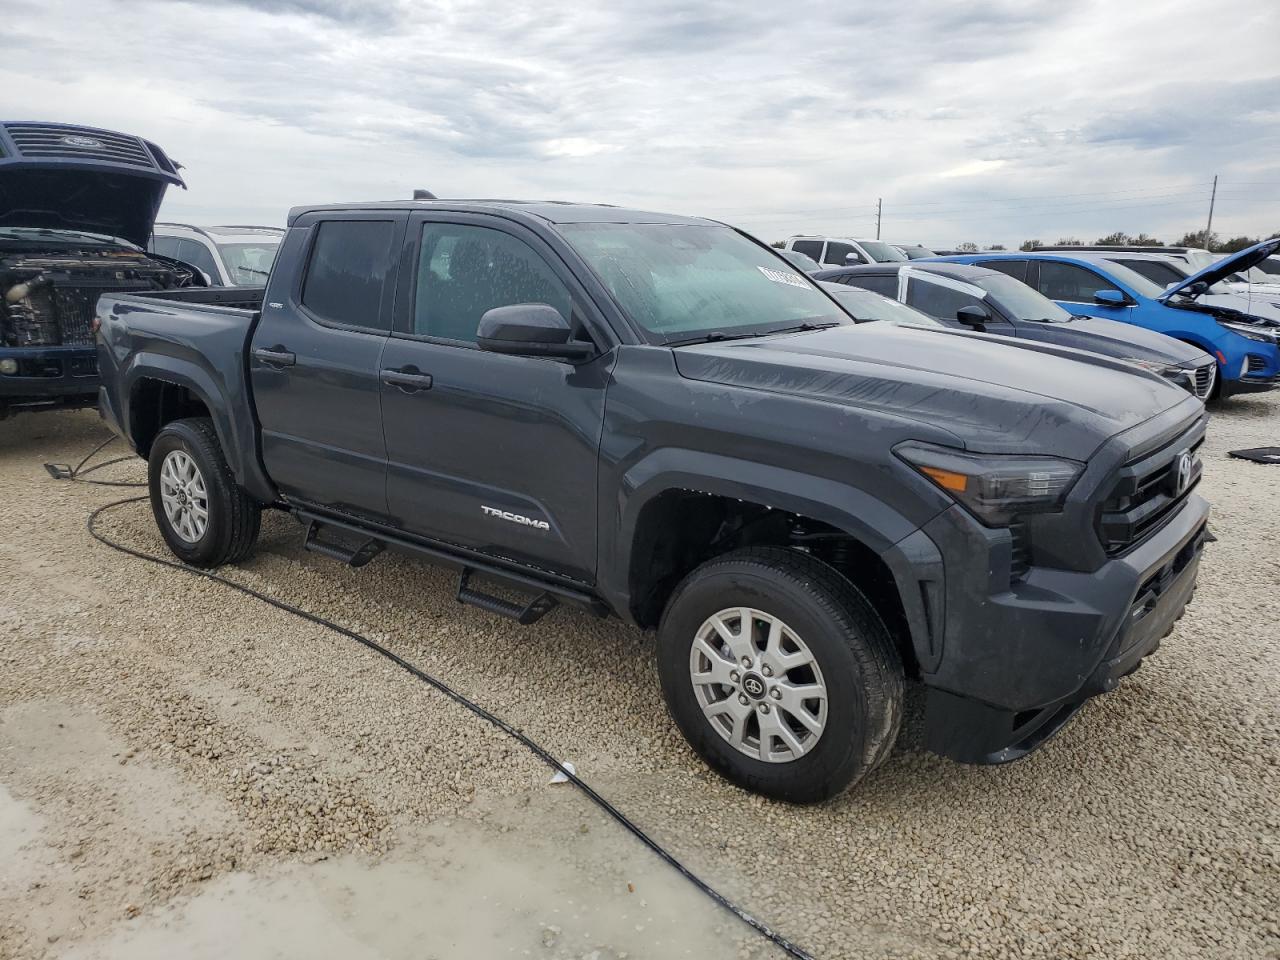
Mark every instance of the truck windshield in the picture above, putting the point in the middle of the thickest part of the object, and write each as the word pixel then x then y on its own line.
pixel 248 263
pixel 682 282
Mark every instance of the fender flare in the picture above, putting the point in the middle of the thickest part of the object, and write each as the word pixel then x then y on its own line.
pixel 867 519
pixel 239 449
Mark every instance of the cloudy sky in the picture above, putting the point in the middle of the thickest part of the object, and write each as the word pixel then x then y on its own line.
pixel 990 122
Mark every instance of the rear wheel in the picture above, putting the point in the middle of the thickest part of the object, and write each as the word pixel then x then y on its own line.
pixel 204 517
pixel 780 674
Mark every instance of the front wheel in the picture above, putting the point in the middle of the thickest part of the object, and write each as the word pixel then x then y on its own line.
pixel 780 674
pixel 204 517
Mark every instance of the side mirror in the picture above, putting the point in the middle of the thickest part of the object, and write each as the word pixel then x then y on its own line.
pixel 853 258
pixel 975 317
pixel 1110 298
pixel 530 330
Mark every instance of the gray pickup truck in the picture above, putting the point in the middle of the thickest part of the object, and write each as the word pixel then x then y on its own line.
pixel 657 417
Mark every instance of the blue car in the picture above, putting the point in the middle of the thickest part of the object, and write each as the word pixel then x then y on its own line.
pixel 1246 347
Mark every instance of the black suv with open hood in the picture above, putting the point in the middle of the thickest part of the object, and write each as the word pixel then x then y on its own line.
pixel 77 206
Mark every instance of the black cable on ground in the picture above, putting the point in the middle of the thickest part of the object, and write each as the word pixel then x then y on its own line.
pixel 533 746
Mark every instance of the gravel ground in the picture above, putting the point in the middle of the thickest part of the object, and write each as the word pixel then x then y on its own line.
pixel 173 756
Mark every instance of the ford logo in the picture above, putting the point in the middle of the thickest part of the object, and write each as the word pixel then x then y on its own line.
pixel 77 141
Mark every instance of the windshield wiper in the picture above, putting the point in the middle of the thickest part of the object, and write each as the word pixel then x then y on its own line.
pixel 715 336
pixel 801 328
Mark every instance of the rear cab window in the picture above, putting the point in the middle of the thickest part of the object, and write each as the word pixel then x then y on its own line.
pixel 348 273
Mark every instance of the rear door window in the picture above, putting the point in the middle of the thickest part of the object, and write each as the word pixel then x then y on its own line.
pixel 1013 268
pixel 810 248
pixel 937 300
pixel 347 273
pixel 1071 283
pixel 885 285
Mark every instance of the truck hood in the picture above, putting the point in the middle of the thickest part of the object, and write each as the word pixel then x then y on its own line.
pixel 61 177
pixel 1123 340
pixel 991 393
pixel 116 204
pixel 1249 257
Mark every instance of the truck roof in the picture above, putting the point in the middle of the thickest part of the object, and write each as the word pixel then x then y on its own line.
pixel 549 211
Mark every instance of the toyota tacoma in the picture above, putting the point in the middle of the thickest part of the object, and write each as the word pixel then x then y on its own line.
pixel 657 417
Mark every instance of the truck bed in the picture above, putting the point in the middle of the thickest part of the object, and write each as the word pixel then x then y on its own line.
pixel 239 298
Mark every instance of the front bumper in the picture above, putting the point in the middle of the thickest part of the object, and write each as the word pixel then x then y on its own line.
pixel 1260 384
pixel 49 377
pixel 1018 663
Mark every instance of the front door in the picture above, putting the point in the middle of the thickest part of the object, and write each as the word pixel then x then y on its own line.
pixel 313 364
pixel 493 452
pixel 943 297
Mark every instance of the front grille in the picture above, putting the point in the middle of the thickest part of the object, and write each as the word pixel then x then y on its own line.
pixel 1256 365
pixel 1205 376
pixel 56 142
pixel 74 307
pixel 1147 491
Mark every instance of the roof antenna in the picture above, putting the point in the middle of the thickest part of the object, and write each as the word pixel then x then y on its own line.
pixel 420 194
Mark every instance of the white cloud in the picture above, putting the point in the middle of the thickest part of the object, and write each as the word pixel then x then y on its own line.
pixel 992 122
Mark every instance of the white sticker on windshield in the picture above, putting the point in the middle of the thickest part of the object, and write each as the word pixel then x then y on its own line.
pixel 778 276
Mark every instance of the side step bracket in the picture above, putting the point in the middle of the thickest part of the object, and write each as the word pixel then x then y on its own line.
pixel 352 557
pixel 531 612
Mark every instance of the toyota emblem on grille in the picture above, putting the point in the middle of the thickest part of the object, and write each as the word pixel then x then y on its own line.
pixel 1183 477
pixel 81 142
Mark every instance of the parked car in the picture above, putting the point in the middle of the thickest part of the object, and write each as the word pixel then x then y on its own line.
pixel 1233 292
pixel 1244 345
pixel 839 251
pixel 230 256
pixel 653 416
pixel 798 259
pixel 76 206
pixel 914 251
pixel 992 302
pixel 1196 258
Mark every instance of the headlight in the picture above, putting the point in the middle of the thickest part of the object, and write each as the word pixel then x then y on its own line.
pixel 1158 367
pixel 1251 332
pixel 995 489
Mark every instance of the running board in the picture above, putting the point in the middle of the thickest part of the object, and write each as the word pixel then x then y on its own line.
pixel 357 557
pixel 526 579
pixel 531 612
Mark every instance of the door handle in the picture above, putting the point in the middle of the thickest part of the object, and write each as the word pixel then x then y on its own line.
pixel 407 379
pixel 276 356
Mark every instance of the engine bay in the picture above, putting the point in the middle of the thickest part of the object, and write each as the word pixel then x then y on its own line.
pixel 48 296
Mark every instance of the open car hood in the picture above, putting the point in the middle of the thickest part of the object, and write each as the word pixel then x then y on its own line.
pixel 61 177
pixel 1249 257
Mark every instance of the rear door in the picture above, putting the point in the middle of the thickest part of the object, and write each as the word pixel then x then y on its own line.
pixel 314 362
pixel 493 452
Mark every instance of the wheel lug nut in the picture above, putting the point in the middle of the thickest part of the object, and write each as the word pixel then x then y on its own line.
pixel 733 675
pixel 764 708
pixel 742 699
pixel 775 693
pixel 746 662
pixel 766 671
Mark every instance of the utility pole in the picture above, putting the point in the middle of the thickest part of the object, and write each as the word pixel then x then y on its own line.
pixel 1208 230
pixel 880 206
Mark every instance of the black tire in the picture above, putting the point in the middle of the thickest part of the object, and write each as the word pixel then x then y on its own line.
pixel 859 663
pixel 234 517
